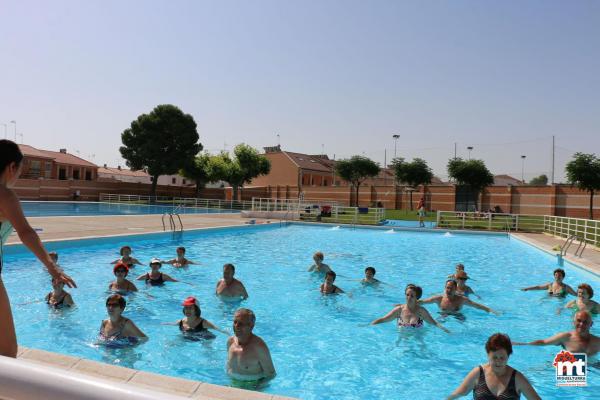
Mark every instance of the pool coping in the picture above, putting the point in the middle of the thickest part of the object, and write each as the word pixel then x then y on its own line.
pixel 142 379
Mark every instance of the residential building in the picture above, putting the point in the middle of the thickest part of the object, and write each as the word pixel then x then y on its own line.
pixel 141 176
pixel 45 164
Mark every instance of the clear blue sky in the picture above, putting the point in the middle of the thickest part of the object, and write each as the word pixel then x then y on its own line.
pixel 502 77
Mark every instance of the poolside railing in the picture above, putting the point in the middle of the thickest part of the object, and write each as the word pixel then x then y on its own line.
pixel 176 201
pixel 490 221
pixel 586 230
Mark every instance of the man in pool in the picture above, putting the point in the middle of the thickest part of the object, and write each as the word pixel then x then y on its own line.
pixel 180 260
pixel 450 302
pixel 229 287
pixel 248 357
pixel 319 265
pixel 579 340
pixel 369 278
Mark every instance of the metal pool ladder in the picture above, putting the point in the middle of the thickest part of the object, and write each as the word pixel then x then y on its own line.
pixel 568 244
pixel 172 220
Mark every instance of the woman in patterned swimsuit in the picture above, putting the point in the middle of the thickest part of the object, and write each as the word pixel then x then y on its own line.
pixel 11 215
pixel 411 314
pixel 496 380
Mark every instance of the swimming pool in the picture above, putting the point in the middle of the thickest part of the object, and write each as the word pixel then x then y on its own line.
pixel 69 208
pixel 320 347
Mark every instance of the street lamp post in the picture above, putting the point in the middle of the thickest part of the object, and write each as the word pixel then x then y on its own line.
pixel 396 137
pixel 470 148
pixel 5 131
pixel 523 168
pixel 15 122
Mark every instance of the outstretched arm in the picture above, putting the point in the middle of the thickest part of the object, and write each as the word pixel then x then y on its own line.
pixel 432 299
pixel 480 306
pixel 168 278
pixel 387 317
pixel 210 325
pixel 570 290
pixel 466 386
pixel 538 287
pixel 10 207
pixel 523 386
pixel 423 313
pixel 133 330
pixel 141 277
pixel 557 339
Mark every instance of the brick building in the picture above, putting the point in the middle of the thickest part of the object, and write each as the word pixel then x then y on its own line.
pixel 45 164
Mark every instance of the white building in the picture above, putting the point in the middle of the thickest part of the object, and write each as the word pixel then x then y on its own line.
pixel 127 175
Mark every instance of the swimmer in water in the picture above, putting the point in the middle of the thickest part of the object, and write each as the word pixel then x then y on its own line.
pixel 584 300
pixel 193 324
pixel 180 260
pixel 117 327
pixel 579 340
pixel 126 258
pixel 462 288
pixel 230 288
pixel 451 303
pixel 459 268
pixel 327 287
pixel 319 265
pixel 248 357
pixel 369 278
pixel 411 314
pixel 121 284
pixel 58 297
pixel 557 288
pixel 154 277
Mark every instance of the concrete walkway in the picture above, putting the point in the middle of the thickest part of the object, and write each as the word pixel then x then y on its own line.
pixel 591 255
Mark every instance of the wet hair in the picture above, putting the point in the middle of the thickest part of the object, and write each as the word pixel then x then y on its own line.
pixel 118 298
pixel 181 248
pixel 248 312
pixel 560 271
pixel 460 266
pixel 418 290
pixel 9 153
pixel 319 255
pixel 123 248
pixel 330 273
pixel 453 281
pixel 229 266
pixel 370 269
pixel 53 254
pixel 587 288
pixel 498 341
pixel 196 310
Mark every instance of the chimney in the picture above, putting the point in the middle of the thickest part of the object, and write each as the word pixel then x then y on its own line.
pixel 105 166
pixel 119 167
pixel 64 151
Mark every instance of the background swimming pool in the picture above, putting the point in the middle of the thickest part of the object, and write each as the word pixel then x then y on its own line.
pixel 67 208
pixel 319 345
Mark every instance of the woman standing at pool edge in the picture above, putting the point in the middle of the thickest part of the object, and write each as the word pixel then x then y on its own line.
pixel 11 215
pixel 496 379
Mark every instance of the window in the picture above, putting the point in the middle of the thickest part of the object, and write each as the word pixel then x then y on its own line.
pixel 173 180
pixel 62 174
pixel 183 182
pixel 34 167
pixel 88 175
pixel 76 174
pixel 48 173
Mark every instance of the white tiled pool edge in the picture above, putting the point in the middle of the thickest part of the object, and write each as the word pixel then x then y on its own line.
pixel 145 380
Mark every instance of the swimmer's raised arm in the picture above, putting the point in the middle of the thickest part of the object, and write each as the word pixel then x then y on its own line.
pixel 142 277
pixel 570 290
pixel 433 299
pixel 538 287
pixel 210 325
pixel 480 306
pixel 552 340
pixel 167 278
pixel 388 317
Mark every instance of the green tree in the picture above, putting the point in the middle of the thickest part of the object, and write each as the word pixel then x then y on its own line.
pixel 583 171
pixel 355 170
pixel 539 180
pixel 413 173
pixel 471 173
pixel 246 165
pixel 202 170
pixel 163 142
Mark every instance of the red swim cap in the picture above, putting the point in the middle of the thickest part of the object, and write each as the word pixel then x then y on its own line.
pixel 120 265
pixel 190 301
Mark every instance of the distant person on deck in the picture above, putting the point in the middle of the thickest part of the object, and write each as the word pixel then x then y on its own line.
pixel 421 212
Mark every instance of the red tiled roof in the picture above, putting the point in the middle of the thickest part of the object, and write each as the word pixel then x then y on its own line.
pixel 123 172
pixel 32 152
pixel 66 158
pixel 504 180
pixel 306 161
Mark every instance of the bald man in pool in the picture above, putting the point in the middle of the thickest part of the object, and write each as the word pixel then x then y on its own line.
pixel 248 357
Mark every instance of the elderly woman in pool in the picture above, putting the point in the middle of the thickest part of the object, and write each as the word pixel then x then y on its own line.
pixel 58 297
pixel 121 284
pixel 496 379
pixel 584 300
pixel 411 314
pixel 117 327
pixel 193 324
pixel 557 288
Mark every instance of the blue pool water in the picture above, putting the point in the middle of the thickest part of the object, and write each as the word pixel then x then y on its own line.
pixel 320 345
pixel 66 208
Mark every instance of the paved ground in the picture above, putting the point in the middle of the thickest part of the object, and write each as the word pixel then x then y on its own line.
pixel 57 228
pixel 590 259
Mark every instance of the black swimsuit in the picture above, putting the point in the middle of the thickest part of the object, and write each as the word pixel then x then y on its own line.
pixel 154 282
pixel 198 332
pixel 198 328
pixel 58 304
pixel 481 391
